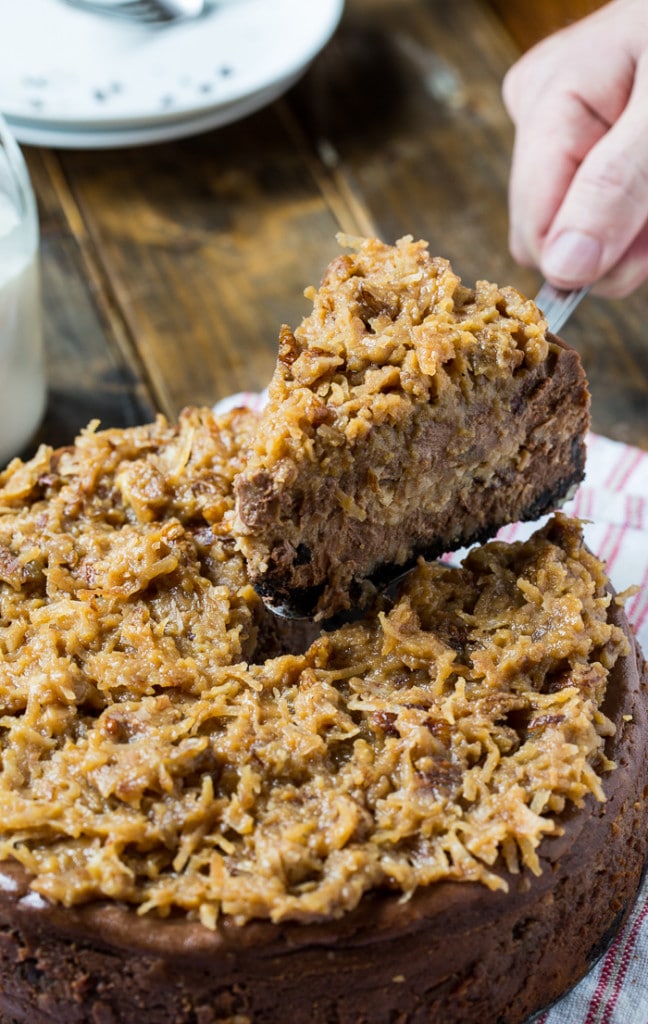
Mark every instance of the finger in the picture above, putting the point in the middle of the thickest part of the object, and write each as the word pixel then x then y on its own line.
pixel 549 148
pixel 569 62
pixel 629 273
pixel 563 100
pixel 606 204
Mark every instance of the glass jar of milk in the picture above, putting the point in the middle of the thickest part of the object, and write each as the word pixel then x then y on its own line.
pixel 22 370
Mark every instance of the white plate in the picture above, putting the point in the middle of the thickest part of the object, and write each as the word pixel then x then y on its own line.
pixel 62 68
pixel 73 137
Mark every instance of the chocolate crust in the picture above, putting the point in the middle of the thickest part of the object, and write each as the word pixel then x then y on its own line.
pixel 547 409
pixel 457 953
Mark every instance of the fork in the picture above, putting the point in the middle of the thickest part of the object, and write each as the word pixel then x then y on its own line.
pixel 557 304
pixel 145 11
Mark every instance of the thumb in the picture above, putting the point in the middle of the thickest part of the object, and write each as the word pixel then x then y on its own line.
pixel 606 204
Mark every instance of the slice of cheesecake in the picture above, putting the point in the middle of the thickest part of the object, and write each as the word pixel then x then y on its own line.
pixel 408 415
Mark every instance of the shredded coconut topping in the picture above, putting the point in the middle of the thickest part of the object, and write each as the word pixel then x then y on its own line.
pixel 392 325
pixel 145 756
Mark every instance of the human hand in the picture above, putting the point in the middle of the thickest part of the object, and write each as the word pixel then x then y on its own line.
pixel 579 180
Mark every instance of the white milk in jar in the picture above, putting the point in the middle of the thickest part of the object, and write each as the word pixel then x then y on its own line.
pixel 22 373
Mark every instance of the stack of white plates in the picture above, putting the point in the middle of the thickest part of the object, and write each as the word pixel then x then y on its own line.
pixel 69 78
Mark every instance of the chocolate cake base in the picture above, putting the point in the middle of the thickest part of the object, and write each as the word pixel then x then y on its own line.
pixel 456 953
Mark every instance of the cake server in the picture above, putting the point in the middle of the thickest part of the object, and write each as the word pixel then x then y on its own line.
pixel 558 304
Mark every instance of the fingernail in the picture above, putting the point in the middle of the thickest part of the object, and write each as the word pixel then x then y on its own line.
pixel 572 257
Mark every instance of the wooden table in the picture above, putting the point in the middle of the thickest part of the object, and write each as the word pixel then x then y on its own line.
pixel 169 269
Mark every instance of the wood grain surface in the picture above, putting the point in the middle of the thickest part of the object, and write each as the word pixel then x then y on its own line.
pixel 168 269
pixel 528 22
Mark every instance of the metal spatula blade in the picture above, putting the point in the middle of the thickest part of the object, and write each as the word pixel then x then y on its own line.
pixel 558 304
